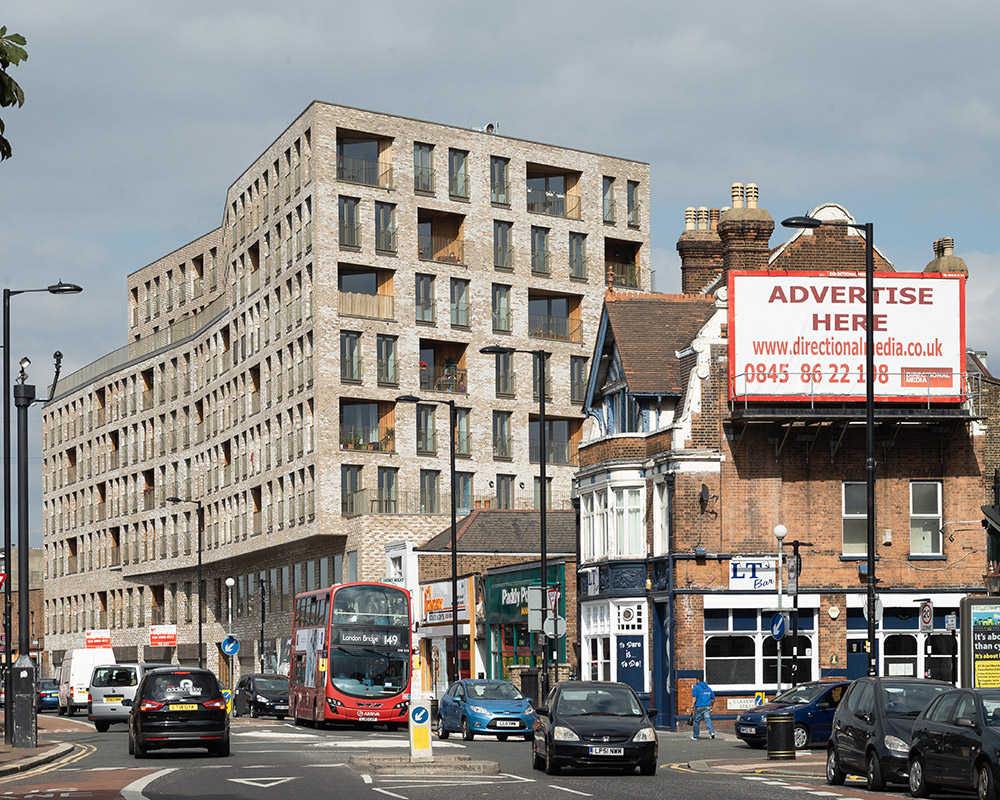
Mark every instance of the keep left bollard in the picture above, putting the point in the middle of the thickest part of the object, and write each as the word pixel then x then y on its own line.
pixel 420 730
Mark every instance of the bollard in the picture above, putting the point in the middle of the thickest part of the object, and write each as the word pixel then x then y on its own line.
pixel 780 735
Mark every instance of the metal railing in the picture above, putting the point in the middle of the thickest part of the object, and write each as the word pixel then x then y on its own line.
pixel 547 327
pixel 385 239
pixel 458 184
pixel 554 204
pixel 626 276
pixel 503 257
pixel 366 437
pixel 423 180
pixel 540 262
pixel 444 379
pixel 350 235
pixel 502 320
pixel 500 193
pixel 557 451
pixel 350 369
pixel 443 249
pixel 364 171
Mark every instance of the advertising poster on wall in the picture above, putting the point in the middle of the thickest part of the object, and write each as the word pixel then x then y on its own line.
pixel 980 632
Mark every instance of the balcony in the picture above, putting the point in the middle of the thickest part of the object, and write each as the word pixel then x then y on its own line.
pixel 562 328
pixel 444 379
pixel 363 171
pixel 559 452
pixel 554 204
pixel 625 276
pixel 442 249
pixel 368 306
pixel 370 501
pixel 364 437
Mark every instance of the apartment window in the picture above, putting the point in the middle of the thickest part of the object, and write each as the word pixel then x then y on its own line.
pixel 463 435
pixel 925 518
pixel 423 168
pixel 350 487
pixel 459 303
pixel 350 226
pixel 505 491
pixel 539 250
pixel 608 195
pixel 855 519
pixel 386 494
pixel 352 555
pixel 426 434
pixel 537 497
pixel 458 176
pixel 500 180
pixel 358 162
pixel 501 435
pixel 501 309
pixel 578 256
pixel 385 227
pixel 505 374
pixel 503 250
pixel 632 197
pixel 350 356
pixel 463 492
pixel 385 347
pixel 536 378
pixel 661 520
pixel 558 446
pixel 424 298
pixel 429 495
pixel 577 379
pixel 629 531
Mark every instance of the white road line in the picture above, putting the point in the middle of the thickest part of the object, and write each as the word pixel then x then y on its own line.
pixel 826 794
pixel 366 778
pixel 571 791
pixel 391 794
pixel 754 778
pixel 134 790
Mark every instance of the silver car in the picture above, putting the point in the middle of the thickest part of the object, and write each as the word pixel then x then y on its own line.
pixel 112 690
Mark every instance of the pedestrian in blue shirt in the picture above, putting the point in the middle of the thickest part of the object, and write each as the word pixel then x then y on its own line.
pixel 703 697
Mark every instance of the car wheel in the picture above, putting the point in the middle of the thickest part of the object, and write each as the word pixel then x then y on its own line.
pixel 835 775
pixel 236 708
pixel 917 778
pixel 467 733
pixel 529 736
pixel 550 767
pixel 501 737
pixel 254 712
pixel 222 748
pixel 986 788
pixel 648 767
pixel 280 717
pixel 756 744
pixel 537 762
pixel 442 731
pixel 62 710
pixel 800 737
pixel 138 750
pixel 873 772
pixel 131 744
pixel 102 727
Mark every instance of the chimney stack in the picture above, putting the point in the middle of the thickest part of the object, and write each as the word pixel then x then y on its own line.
pixel 745 232
pixel 945 261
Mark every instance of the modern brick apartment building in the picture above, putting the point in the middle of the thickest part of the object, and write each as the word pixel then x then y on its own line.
pixel 696 460
pixel 361 257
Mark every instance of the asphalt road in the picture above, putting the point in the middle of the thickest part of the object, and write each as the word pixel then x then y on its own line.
pixel 278 760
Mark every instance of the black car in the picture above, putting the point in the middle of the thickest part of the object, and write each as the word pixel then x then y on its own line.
pixel 178 707
pixel 956 743
pixel 593 724
pixel 261 695
pixel 871 729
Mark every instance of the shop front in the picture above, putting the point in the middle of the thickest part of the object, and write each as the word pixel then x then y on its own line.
pixel 435 635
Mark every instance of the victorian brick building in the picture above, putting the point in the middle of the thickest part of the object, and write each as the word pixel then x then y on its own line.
pixel 702 452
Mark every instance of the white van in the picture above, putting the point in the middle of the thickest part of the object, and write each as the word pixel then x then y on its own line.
pixel 74 675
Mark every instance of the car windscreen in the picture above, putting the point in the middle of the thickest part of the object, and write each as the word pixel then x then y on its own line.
pixel 181 685
pixel 271 684
pixel 47 684
pixel 800 694
pixel 909 698
pixel 493 691
pixel 113 676
pixel 611 700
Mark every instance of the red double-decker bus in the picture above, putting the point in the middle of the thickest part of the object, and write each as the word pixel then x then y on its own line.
pixel 351 655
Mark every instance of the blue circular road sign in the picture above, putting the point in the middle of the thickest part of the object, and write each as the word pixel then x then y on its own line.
pixel 419 714
pixel 778 626
pixel 230 645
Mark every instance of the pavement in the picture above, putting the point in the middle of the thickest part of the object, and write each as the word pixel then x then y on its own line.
pixel 806 764
pixel 21 759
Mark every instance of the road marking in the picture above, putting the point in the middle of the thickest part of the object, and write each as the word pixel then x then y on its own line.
pixel 276 735
pixel 391 794
pixel 261 783
pixel 380 744
pixel 826 794
pixel 366 778
pixel 571 791
pixel 134 790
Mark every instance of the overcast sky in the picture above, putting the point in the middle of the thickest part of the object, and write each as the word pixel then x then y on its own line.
pixel 139 115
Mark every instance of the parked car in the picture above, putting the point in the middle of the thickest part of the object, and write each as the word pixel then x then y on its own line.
pixel 490 707
pixel 871 729
pixel 112 690
pixel 261 695
pixel 48 694
pixel 178 707
pixel 813 705
pixel 594 724
pixel 956 743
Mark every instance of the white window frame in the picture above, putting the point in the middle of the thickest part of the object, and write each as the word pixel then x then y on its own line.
pixel 859 548
pixel 917 534
pixel 661 519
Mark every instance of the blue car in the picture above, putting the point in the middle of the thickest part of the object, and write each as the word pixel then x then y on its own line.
pixel 813 705
pixel 494 708
pixel 48 694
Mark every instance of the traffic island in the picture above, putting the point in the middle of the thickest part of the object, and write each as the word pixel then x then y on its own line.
pixel 380 764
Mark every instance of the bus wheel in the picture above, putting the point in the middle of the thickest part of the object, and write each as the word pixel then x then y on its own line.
pixel 392 727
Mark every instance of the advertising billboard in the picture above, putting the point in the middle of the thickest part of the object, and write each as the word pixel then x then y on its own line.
pixel 800 336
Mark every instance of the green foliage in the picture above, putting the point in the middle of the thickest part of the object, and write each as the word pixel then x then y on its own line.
pixel 12 53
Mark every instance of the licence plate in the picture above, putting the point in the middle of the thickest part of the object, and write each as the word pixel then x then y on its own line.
pixel 508 723
pixel 747 730
pixel 281 708
pixel 183 706
pixel 607 751
pixel 113 698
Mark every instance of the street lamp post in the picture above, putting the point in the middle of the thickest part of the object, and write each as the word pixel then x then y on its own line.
pixel 56 288
pixel 869 231
pixel 201 528
pixel 542 361
pixel 412 398
pixel 780 532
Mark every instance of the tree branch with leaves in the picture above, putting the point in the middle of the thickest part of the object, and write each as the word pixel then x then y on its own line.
pixel 12 53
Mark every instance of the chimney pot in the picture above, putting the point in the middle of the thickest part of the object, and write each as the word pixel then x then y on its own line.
pixel 948 246
pixel 689 217
pixel 751 194
pixel 713 218
pixel 737 194
pixel 703 218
